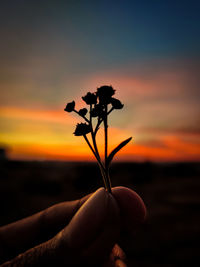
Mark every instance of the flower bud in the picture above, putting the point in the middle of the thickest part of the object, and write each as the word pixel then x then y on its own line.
pixel 70 107
pixel 116 104
pixel 104 93
pixel 82 129
pixel 90 98
pixel 82 112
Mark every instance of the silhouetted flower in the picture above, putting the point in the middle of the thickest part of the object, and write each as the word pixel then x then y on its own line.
pixel 82 129
pixel 97 111
pixel 116 103
pixel 70 107
pixel 100 109
pixel 105 93
pixel 90 98
pixel 83 111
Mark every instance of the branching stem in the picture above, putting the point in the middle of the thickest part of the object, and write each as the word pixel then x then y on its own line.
pixel 98 161
pixel 82 116
pixel 101 120
pixel 106 150
pixel 102 168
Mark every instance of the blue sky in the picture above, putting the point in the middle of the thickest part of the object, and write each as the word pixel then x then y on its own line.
pixel 54 51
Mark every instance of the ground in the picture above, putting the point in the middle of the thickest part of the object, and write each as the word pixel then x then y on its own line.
pixel 170 235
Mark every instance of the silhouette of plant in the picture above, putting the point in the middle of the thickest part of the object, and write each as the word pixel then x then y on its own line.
pixel 101 104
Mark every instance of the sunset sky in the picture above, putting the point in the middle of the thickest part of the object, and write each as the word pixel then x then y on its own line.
pixel 53 52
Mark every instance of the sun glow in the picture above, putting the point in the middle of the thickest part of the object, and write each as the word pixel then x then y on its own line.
pixel 47 135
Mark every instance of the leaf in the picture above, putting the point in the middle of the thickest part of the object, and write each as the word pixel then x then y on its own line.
pixel 112 154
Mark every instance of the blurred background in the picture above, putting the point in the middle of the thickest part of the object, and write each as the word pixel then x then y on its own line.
pixel 53 52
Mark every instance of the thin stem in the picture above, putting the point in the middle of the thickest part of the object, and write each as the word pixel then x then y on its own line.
pixel 90 114
pixel 86 139
pixel 97 126
pixel 81 116
pixel 106 150
pixel 101 120
pixel 103 175
pixel 106 134
pixel 102 169
pixel 93 135
pixel 110 111
pixel 95 145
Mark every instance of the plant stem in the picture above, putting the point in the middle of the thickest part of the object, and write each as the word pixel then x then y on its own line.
pixel 106 134
pixel 106 150
pixel 97 126
pixel 87 141
pixel 95 145
pixel 100 121
pixel 110 111
pixel 102 169
pixel 82 116
pixel 93 135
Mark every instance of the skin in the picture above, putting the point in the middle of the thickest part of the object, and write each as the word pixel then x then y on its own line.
pixel 75 233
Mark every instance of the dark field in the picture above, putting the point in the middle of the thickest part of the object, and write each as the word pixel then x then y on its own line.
pixel 169 237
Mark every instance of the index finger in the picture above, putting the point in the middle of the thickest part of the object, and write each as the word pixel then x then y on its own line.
pixel 132 208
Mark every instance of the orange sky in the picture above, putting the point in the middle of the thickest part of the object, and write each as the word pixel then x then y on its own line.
pixel 162 122
pixel 53 54
pixel 47 135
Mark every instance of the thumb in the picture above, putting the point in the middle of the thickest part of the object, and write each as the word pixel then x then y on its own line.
pixel 88 239
pixel 93 230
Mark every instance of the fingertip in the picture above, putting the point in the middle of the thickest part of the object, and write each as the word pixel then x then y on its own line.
pixel 131 205
pixel 85 225
pixel 100 249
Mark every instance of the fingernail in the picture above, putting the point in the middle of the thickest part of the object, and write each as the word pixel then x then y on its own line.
pixel 86 223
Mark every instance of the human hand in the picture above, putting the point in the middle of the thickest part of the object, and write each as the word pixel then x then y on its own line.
pixel 75 233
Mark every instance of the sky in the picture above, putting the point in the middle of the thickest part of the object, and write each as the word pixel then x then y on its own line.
pixel 53 52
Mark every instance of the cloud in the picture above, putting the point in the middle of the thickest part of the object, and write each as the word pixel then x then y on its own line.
pixel 156 94
pixel 170 148
pixel 57 116
pixel 161 112
pixel 195 131
pixel 158 79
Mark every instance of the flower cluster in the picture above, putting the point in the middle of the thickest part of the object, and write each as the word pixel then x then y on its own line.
pixel 101 103
pixel 98 102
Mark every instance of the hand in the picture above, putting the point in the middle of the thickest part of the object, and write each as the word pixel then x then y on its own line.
pixel 75 233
